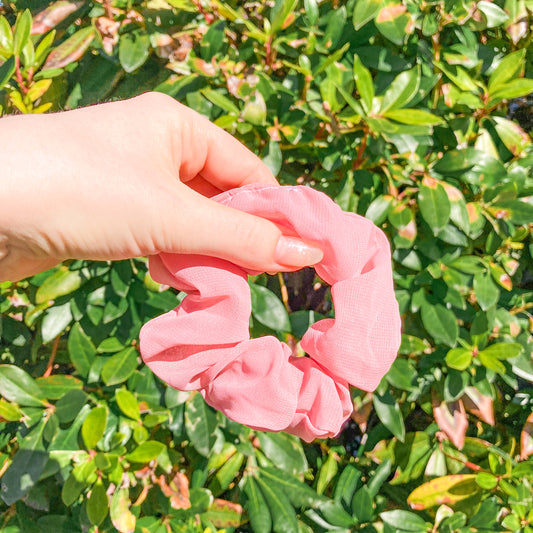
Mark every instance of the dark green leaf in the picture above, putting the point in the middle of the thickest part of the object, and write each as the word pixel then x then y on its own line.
pixel 283 515
pixel 268 309
pixel 81 350
pixel 404 521
pixel 402 90
pixel 363 81
pixel 389 413
pixel 486 291
pixel 258 511
pixel 434 205
pixel 440 323
pixel 200 424
pixel 284 450
pixel 97 504
pixel 362 505
pixel 365 11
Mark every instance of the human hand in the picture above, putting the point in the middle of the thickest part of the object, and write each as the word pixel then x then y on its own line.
pixel 127 179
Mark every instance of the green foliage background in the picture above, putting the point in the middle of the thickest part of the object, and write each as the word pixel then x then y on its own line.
pixel 399 110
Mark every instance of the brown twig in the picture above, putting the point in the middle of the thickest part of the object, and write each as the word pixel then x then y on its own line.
pixel 360 151
pixel 48 370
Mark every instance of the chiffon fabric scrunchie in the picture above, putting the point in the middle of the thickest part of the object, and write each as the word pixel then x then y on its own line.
pixel 204 344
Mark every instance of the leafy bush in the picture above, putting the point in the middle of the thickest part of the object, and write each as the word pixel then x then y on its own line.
pixel 400 112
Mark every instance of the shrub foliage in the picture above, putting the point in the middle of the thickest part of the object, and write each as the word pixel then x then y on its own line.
pixel 402 112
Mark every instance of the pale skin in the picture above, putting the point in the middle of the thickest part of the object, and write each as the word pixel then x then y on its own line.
pixel 127 179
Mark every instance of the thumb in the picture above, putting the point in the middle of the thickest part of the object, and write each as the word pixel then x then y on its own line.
pixel 209 228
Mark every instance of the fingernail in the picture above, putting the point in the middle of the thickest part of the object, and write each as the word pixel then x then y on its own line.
pixel 291 251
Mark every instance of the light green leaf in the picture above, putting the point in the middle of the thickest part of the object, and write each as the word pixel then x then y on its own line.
pixel 279 14
pixel 394 22
pixel 146 452
pixel 365 11
pixel 513 89
pixel 486 291
pixel 121 516
pixel 97 505
pixel 55 321
pixel 413 116
pixel 494 14
pixel 60 283
pixel 220 100
pixel 21 33
pixel 504 350
pixel 284 450
pixel 6 36
pixel 508 69
pixel 128 403
pixel 133 49
pixel 70 50
pixel 459 358
pixel 93 427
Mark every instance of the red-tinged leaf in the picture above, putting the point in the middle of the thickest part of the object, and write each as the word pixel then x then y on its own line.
pixel 447 490
pixel 177 490
pixel 451 419
pixel 225 514
pixel 526 438
pixel 394 22
pixel 121 516
pixel 479 405
pixel 53 15
pixel 501 277
pixel 70 50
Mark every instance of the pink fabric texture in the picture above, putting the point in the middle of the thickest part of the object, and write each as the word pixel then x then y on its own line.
pixel 204 344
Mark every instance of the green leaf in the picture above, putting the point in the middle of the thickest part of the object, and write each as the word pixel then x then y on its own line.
pixel 413 116
pixel 19 387
pixel 93 427
pixel 268 309
pixel 489 361
pixel 7 69
pixel 133 49
pixel 27 466
pixel 434 205
pixel 362 505
pixel 121 516
pixel 284 450
pixel 509 68
pixel 97 504
pixel 378 210
pixel 21 34
pixel 128 403
pixel 447 490
pixel 404 521
pixel 327 472
pixel 504 350
pixel 388 411
pixel 516 211
pixel 311 11
pixel 459 358
pixel 299 493
pixel 55 321
pixel 273 157
pixel 512 135
pixel 10 411
pixel 394 21
pixel 279 13
pixel 363 82
pixel 494 14
pixel 283 515
pixel 56 386
pixel 225 514
pixel 258 511
pixel 440 323
pixel 513 89
pixel 120 367
pixel 6 36
pixel 486 480
pixel 335 514
pixel 220 100
pixel 402 90
pixel 70 50
pixel 365 11
pixel 81 350
pixel 378 478
pixel 60 283
pixel 347 484
pixel 68 407
pixel 146 452
pixel 200 424
pixel 486 291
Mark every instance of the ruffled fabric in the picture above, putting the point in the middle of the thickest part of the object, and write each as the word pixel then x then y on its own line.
pixel 204 344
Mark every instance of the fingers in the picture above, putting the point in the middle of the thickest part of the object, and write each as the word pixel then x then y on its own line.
pixel 249 241
pixel 210 152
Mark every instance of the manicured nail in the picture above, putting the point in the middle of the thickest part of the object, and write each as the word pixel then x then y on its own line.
pixel 291 251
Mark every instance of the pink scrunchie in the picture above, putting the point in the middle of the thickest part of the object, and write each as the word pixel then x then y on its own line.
pixel 204 344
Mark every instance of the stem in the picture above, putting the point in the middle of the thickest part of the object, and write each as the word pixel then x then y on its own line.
pixel 360 151
pixel 284 292
pixel 48 370
pixel 18 74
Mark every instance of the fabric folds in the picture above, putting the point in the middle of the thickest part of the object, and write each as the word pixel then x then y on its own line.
pixel 204 344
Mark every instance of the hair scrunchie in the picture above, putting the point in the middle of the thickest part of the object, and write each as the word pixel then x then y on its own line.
pixel 204 344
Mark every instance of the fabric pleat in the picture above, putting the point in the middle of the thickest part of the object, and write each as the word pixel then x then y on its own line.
pixel 204 344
